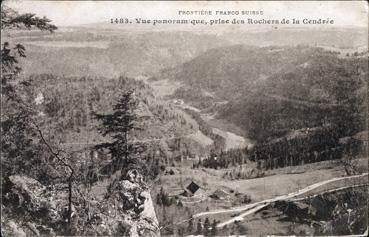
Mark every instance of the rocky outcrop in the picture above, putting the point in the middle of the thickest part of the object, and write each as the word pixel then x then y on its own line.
pixel 29 208
pixel 132 208
pixel 32 209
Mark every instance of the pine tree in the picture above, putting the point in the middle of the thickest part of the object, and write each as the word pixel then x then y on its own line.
pixel 190 226
pixel 18 135
pixel 158 199
pixel 119 125
pixel 180 231
pixel 199 228
pixel 206 226
pixel 22 136
pixel 214 228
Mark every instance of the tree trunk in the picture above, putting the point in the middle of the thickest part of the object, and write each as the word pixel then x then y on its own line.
pixel 69 200
pixel 126 148
pixel 70 195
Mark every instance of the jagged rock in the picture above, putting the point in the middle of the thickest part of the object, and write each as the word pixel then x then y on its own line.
pixel 126 211
pixel 33 228
pixel 129 211
pixel 135 176
pixel 34 206
pixel 131 192
pixel 12 229
pixel 25 191
pixel 148 224
pixel 29 195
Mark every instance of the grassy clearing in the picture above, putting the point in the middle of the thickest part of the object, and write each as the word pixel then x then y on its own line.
pixel 279 182
pixel 201 138
pixel 276 185
pixel 164 87
pixel 260 188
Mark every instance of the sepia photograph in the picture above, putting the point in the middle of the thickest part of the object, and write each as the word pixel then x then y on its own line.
pixel 184 118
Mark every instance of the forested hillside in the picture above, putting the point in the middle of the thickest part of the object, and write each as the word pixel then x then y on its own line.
pixel 274 90
pixel 325 90
pixel 67 104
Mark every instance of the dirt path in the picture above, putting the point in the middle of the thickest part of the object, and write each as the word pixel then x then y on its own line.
pixel 253 207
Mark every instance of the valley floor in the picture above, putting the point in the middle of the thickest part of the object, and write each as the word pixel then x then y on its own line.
pixel 282 184
pixel 165 88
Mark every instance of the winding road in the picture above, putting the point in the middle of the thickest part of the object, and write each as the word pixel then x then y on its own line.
pixel 254 207
pixel 165 87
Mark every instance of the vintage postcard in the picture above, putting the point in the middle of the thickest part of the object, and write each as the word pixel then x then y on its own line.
pixel 184 118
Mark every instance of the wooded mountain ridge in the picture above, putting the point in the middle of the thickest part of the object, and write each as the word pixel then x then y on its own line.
pixel 274 90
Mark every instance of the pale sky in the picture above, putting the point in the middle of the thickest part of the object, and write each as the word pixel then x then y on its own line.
pixel 71 13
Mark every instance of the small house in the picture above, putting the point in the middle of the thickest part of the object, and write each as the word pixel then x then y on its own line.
pixel 220 194
pixel 193 189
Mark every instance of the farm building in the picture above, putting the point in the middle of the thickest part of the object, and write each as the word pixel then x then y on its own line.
pixel 220 194
pixel 193 189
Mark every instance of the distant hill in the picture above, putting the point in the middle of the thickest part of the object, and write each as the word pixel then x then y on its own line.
pixel 256 88
pixel 353 37
pixel 236 68
pixel 110 53
pixel 272 90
